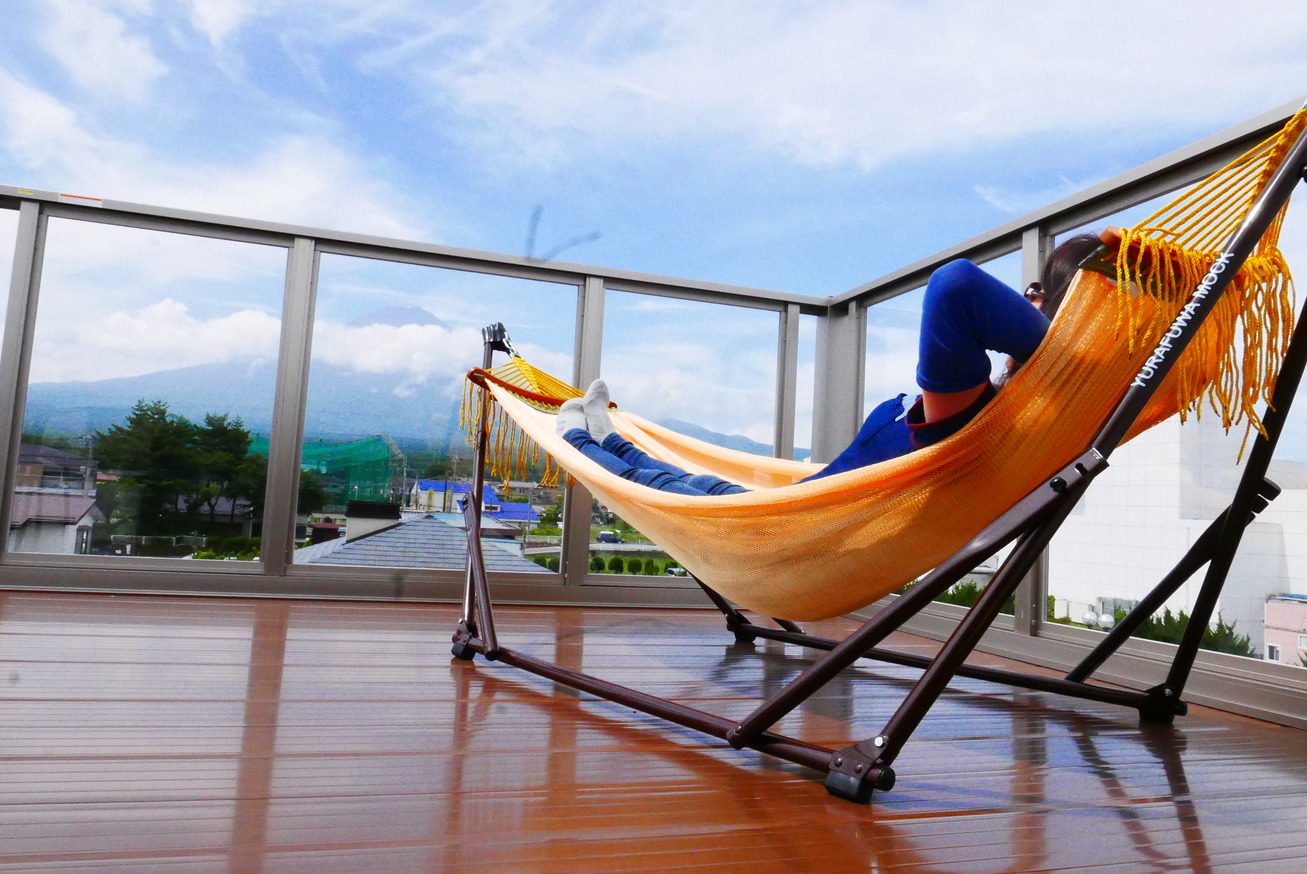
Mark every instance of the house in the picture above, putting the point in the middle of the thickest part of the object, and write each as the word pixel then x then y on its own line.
pixel 441 496
pixel 517 513
pixel 55 523
pixel 1286 629
pixel 41 466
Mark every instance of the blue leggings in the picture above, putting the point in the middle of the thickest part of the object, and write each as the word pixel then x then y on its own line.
pixel 618 455
pixel 966 312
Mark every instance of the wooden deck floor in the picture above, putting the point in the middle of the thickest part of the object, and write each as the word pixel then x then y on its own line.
pixel 204 735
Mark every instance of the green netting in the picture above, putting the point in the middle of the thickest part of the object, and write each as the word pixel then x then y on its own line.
pixel 358 470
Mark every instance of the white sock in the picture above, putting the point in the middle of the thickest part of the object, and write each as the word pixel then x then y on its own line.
pixel 596 410
pixel 571 415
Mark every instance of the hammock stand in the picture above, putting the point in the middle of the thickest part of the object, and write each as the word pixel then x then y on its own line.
pixel 856 771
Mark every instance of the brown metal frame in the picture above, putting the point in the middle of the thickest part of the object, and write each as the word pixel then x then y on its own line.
pixel 855 771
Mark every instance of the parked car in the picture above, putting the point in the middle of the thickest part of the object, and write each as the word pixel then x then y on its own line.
pixel 609 537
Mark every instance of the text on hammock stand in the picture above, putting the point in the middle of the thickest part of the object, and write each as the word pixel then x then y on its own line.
pixel 1149 370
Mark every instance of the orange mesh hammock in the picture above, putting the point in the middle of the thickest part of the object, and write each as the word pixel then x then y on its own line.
pixel 805 551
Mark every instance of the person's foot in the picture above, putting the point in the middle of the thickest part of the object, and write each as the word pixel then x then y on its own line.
pixel 596 410
pixel 571 415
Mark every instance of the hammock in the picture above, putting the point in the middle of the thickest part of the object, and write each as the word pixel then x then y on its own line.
pixel 801 551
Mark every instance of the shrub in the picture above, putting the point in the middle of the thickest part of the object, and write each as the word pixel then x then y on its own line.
pixel 635 566
pixel 597 563
pixel 1170 628
pixel 651 568
pixel 968 593
pixel 615 565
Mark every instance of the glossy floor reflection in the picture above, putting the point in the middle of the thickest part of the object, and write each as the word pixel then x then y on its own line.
pixel 197 735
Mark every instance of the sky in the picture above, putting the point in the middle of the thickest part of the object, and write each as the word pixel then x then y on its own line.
pixel 798 146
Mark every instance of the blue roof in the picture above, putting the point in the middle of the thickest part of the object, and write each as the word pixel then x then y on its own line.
pixel 516 511
pixel 488 495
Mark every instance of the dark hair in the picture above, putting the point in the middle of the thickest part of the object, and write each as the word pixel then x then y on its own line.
pixel 1055 279
pixel 1062 265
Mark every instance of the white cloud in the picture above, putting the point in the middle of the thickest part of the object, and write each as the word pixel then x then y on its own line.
pixel 219 19
pixel 1015 202
pixel 295 178
pixel 98 52
pixel 415 350
pixel 847 82
pixel 162 336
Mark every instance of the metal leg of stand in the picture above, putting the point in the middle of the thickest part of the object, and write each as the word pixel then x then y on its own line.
pixel 476 591
pixel 736 623
pixel 863 767
pixel 1243 505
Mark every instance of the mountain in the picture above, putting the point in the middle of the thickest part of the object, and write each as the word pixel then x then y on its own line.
pixel 343 405
pixel 729 441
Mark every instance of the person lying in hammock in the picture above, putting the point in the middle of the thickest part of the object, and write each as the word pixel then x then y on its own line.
pixel 966 314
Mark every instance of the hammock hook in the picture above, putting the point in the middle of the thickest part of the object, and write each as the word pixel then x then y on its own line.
pixel 496 337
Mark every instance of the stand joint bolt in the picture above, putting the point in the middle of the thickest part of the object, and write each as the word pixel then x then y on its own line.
pixel 879 741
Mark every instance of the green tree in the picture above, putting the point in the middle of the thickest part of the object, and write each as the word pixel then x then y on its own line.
pixel 251 483
pixel 616 565
pixel 312 495
pixel 154 451
pixel 222 443
pixel 635 566
pixel 597 563
pixel 551 517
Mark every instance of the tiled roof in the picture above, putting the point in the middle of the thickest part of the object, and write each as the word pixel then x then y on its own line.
pixel 50 507
pixel 423 542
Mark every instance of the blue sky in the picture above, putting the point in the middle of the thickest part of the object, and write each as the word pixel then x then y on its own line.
pixel 799 146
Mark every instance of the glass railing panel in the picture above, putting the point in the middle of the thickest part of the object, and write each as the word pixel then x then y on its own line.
pixel 704 370
pixel 385 461
pixel 153 367
pixel 1162 491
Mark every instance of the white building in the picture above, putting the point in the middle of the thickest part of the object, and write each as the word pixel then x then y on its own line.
pixel 58 523
pixel 1160 493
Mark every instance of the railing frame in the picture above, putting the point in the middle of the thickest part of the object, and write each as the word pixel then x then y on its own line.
pixel 840 354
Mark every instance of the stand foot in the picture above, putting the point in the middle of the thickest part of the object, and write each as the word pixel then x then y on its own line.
pixel 854 777
pixel 462 634
pixel 859 788
pixel 1162 706
pixel 735 625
